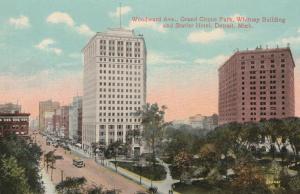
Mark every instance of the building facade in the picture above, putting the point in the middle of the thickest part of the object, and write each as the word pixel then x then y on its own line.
pixel 257 84
pixel 60 121
pixel 46 107
pixel 75 119
pixel 204 122
pixel 17 123
pixel 114 85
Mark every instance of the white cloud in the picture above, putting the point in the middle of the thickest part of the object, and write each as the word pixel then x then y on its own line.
pixel 284 41
pixel 205 37
pixel 124 10
pixel 84 30
pixel 216 60
pixel 160 58
pixel 65 18
pixel 60 18
pixel 20 22
pixel 147 24
pixel 46 45
pixel 290 40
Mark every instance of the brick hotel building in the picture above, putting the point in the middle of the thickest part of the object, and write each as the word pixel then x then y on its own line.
pixel 257 84
pixel 13 121
pixel 114 86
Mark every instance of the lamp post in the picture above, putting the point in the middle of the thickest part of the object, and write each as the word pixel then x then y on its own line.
pixel 116 150
pixel 141 164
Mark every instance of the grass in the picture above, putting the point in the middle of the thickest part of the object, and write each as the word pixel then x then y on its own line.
pixel 159 172
pixel 199 187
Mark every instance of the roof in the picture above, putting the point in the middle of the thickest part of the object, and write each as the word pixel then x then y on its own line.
pixel 14 114
pixel 115 32
pixel 259 50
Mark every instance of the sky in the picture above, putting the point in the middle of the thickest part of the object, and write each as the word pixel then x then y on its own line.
pixel 41 42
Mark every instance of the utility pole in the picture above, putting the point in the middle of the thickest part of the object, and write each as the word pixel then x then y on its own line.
pixel 62 175
pixel 120 15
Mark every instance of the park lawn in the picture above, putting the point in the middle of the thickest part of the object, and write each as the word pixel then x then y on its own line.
pixel 146 171
pixel 199 187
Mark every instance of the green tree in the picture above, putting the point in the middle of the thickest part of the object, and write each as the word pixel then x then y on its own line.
pixel 153 122
pixel 27 155
pixel 183 163
pixel 153 126
pixel 48 158
pixel 71 185
pixel 95 190
pixel 292 128
pixel 12 177
pixel 249 178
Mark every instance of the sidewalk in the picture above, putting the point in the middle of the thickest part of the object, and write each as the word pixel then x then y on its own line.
pixel 79 152
pixel 49 186
pixel 163 186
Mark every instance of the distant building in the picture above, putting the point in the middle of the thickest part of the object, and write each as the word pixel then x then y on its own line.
pixel 48 121
pixel 198 121
pixel 114 86
pixel 46 106
pixel 257 84
pixel 10 108
pixel 17 123
pixel 61 121
pixel 204 122
pixel 179 123
pixel 75 119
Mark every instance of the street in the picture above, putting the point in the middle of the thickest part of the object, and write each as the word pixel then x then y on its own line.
pixel 96 175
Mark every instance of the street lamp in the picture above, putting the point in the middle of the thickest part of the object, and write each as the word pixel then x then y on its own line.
pixel 141 164
pixel 116 151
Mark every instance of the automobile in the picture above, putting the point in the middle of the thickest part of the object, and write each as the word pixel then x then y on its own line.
pixel 59 157
pixel 79 163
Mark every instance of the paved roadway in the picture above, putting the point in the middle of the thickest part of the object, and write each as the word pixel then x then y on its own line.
pixel 95 174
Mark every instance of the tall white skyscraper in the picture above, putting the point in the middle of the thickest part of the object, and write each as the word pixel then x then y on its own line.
pixel 114 85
